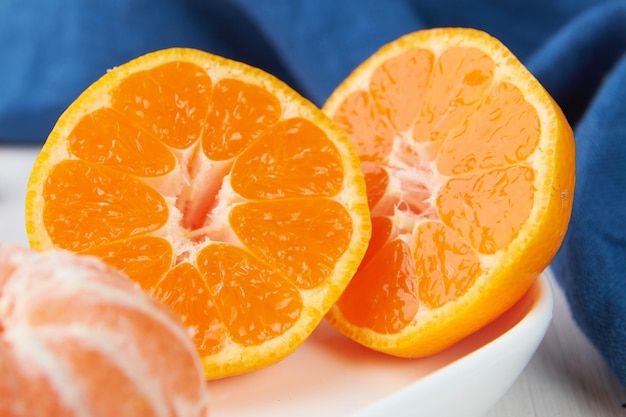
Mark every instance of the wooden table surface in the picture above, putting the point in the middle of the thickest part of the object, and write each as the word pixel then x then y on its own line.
pixel 565 378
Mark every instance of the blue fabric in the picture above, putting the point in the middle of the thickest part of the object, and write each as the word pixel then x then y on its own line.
pixel 50 51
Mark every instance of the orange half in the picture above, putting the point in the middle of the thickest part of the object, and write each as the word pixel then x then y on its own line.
pixel 469 166
pixel 218 189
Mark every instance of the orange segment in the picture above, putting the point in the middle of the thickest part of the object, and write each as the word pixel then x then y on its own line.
pixel 273 231
pixel 392 79
pixel 309 164
pixel 103 386
pixel 510 136
pixel 169 101
pixel 145 258
pixel 488 210
pixel 218 189
pixel 188 293
pixel 393 270
pixel 241 284
pixel 469 167
pixel 119 143
pixel 371 132
pixel 459 77
pixel 232 125
pixel 88 205
pixel 445 267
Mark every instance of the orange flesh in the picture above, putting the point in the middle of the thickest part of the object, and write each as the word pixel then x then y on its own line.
pixel 241 284
pixel 187 293
pixel 17 386
pixel 444 163
pixel 104 383
pixel 114 200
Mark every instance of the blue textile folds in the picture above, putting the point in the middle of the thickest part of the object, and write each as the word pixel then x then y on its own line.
pixel 51 51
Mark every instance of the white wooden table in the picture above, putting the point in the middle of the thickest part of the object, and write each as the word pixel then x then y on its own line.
pixel 565 378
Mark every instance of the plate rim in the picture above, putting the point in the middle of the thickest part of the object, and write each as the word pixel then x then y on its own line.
pixel 535 322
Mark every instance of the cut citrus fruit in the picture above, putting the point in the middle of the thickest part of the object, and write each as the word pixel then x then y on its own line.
pixel 215 186
pixel 469 167
pixel 77 338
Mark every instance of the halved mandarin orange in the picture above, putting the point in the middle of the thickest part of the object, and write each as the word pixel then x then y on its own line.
pixel 469 166
pixel 215 186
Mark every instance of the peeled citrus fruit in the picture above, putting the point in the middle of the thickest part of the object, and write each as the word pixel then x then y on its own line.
pixel 77 338
pixel 215 186
pixel 469 168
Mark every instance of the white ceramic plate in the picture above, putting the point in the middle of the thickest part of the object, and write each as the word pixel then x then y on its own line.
pixel 330 375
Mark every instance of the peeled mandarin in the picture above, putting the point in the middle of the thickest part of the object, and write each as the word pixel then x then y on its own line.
pixel 79 339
